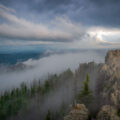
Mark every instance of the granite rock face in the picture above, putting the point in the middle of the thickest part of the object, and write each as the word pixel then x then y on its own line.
pixel 107 112
pixel 108 83
pixel 112 57
pixel 80 112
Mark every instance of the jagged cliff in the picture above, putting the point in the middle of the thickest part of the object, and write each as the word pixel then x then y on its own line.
pixel 108 83
pixel 107 89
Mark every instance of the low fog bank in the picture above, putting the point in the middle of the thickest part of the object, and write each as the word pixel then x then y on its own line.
pixel 40 68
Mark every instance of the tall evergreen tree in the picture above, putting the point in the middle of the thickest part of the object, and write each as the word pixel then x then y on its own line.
pixel 48 116
pixel 85 96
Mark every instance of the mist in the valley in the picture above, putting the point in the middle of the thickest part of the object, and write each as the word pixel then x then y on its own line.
pixel 54 101
pixel 40 68
pixel 60 98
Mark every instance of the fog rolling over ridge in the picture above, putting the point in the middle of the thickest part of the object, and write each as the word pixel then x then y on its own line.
pixel 40 68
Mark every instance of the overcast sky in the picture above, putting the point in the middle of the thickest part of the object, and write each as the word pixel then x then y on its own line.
pixel 69 23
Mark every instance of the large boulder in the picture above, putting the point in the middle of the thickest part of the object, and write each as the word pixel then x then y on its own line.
pixel 80 112
pixel 108 112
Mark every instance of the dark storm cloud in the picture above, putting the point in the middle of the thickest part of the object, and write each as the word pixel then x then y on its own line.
pixel 60 21
pixel 106 12
pixel 103 2
pixel 90 12
pixel 37 5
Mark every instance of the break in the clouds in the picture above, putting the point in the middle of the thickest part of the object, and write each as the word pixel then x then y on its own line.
pixel 81 23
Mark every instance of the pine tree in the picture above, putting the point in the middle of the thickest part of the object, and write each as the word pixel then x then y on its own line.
pixel 48 116
pixel 75 88
pixel 85 96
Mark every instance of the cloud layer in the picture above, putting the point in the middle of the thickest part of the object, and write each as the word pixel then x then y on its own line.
pixel 60 29
pixel 91 12
pixel 81 24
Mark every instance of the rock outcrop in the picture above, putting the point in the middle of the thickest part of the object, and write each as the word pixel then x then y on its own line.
pixel 80 112
pixel 113 57
pixel 107 97
pixel 108 83
pixel 108 87
pixel 107 112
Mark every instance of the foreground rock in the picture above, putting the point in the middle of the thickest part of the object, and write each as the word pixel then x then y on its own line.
pixel 107 112
pixel 80 112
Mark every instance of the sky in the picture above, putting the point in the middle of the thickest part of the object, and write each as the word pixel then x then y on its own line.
pixel 66 23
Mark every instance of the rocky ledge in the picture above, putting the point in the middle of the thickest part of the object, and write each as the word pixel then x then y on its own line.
pixel 80 112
